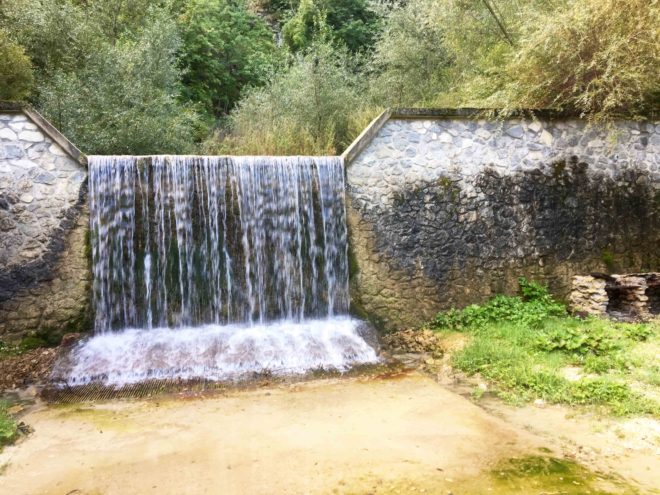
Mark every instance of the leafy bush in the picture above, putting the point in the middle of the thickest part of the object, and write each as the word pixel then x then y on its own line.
pixel 8 427
pixel 226 48
pixel 638 332
pixel 353 23
pixel 583 56
pixel 16 78
pixel 573 336
pixel 532 308
pixel 410 61
pixel 305 110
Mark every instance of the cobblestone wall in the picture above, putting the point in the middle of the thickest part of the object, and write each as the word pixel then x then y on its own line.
pixel 445 212
pixel 44 273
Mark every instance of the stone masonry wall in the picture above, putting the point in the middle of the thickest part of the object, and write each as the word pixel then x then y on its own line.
pixel 44 272
pixel 445 212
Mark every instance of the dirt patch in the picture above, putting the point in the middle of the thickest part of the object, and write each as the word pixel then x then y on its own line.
pixel 341 436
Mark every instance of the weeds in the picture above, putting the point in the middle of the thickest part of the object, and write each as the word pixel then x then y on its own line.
pixel 522 343
pixel 8 427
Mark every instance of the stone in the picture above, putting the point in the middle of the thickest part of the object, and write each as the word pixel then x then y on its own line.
pixel 535 127
pixel 26 198
pixel 11 151
pixel 8 134
pixel 31 136
pixel 546 138
pixel 515 132
pixel 45 178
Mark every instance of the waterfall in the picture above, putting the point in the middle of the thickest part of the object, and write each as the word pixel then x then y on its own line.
pixel 209 267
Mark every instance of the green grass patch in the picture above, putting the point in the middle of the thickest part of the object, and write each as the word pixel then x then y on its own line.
pixel 524 344
pixel 8 427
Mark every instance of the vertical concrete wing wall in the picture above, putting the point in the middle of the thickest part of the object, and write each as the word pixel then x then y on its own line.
pixel 448 211
pixel 44 271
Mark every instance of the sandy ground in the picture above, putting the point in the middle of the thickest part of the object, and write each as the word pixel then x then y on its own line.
pixel 629 447
pixel 343 436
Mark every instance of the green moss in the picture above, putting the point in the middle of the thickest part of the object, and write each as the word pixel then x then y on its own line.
pixel 552 475
pixel 88 244
pixel 353 264
pixel 607 257
pixel 558 169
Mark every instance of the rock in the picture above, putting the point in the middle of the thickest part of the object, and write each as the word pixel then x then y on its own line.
pixel 8 134
pixel 539 403
pixel 415 341
pixel 31 136
pixel 70 339
pixel 515 132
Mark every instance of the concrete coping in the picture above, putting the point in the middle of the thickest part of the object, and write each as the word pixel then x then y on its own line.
pixel 46 127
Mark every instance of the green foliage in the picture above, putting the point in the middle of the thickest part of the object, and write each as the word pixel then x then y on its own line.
pixel 107 73
pixel 304 110
pixel 589 57
pixel 411 62
pixel 533 308
pixel 521 344
pixel 16 78
pixel 226 48
pixel 8 427
pixel 601 364
pixel 352 23
pixel 124 100
pixel 638 332
pixel 574 336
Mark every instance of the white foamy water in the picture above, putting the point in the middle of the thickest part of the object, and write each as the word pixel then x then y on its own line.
pixel 218 352
pixel 215 268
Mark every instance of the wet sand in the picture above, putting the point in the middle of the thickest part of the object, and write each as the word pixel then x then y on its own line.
pixel 326 436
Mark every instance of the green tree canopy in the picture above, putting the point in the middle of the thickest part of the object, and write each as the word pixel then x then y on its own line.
pixel 16 78
pixel 226 48
pixel 352 22
pixel 304 110
pixel 107 72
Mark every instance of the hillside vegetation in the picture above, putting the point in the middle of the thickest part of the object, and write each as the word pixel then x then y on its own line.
pixel 305 76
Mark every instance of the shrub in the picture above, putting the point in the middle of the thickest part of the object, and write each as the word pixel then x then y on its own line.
pixel 8 427
pixel 16 77
pixel 576 337
pixel 305 110
pixel 532 308
pixel 587 56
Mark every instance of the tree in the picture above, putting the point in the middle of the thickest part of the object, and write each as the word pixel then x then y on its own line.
pixel 226 48
pixel 304 110
pixel 588 57
pixel 107 73
pixel 125 98
pixel 16 78
pixel 410 63
pixel 352 23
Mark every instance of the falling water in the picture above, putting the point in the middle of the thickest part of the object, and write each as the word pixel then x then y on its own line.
pixel 209 267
